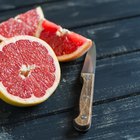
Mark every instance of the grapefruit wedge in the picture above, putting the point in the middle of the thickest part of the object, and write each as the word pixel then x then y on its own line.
pixel 33 18
pixel 29 71
pixel 28 23
pixel 12 27
pixel 67 45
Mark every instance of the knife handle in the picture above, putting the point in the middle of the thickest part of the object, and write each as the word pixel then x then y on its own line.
pixel 83 121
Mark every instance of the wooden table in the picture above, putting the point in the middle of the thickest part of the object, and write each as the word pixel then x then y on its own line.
pixel 114 25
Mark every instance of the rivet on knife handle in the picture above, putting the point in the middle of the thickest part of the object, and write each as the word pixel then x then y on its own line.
pixel 83 121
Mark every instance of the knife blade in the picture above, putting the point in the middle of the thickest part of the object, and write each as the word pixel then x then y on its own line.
pixel 83 121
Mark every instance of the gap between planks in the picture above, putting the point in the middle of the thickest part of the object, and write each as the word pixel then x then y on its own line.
pixel 97 103
pixel 117 54
pixel 30 5
pixel 105 21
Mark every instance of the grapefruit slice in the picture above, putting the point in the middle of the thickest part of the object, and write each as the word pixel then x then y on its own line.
pixel 12 28
pixel 33 18
pixel 67 45
pixel 28 23
pixel 29 71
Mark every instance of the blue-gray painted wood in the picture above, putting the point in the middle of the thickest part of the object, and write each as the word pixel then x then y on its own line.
pixel 118 120
pixel 114 26
pixel 71 13
pixel 115 77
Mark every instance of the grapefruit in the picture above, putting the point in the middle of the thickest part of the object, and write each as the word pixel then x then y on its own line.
pixel 28 23
pixel 33 18
pixel 67 45
pixel 12 28
pixel 29 71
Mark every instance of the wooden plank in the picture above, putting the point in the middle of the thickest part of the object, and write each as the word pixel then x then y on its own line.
pixel 83 12
pixel 113 121
pixel 10 5
pixel 114 38
pixel 124 81
pixel 115 77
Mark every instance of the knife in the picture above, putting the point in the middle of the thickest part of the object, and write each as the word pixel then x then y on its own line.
pixel 83 121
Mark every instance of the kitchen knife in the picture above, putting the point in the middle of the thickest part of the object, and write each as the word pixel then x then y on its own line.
pixel 83 121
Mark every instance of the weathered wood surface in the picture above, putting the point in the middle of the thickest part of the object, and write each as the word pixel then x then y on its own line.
pixel 16 4
pixel 115 78
pixel 117 120
pixel 114 25
pixel 72 13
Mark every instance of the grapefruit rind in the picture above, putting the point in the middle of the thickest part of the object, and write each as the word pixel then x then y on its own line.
pixel 17 101
pixel 41 15
pixel 39 29
pixel 58 31
pixel 40 12
pixel 76 54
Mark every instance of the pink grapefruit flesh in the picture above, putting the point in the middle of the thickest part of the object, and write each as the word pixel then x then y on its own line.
pixel 33 18
pixel 67 45
pixel 27 23
pixel 29 71
pixel 12 28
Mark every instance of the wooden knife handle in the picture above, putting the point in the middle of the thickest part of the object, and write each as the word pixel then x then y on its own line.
pixel 83 121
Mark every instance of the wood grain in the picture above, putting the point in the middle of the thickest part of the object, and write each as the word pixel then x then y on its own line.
pixel 122 71
pixel 83 121
pixel 16 4
pixel 114 26
pixel 113 121
pixel 115 77
pixel 78 14
pixel 113 38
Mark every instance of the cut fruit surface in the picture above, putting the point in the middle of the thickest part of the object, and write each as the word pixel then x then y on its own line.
pixel 12 28
pixel 67 45
pixel 29 71
pixel 28 23
pixel 33 18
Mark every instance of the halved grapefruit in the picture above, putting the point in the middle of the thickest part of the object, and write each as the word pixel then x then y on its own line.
pixel 29 71
pixel 67 45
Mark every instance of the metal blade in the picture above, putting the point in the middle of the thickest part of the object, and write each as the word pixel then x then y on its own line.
pixel 90 61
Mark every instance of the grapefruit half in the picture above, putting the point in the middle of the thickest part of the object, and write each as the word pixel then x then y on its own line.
pixel 67 45
pixel 29 71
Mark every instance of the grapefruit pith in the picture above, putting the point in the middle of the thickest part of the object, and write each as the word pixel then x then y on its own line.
pixel 29 71
pixel 67 45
